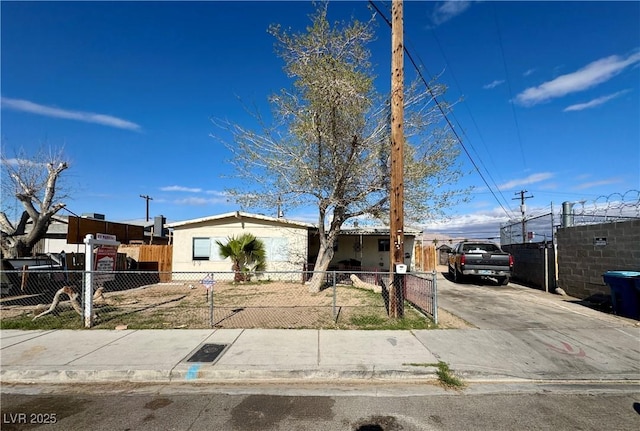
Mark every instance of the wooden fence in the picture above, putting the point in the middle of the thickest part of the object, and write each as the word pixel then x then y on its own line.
pixel 151 257
pixel 425 257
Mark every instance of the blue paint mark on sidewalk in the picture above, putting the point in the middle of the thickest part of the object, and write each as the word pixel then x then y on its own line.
pixel 192 372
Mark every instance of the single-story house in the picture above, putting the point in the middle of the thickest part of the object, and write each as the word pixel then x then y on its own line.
pixel 195 247
pixel 290 245
pixel 370 247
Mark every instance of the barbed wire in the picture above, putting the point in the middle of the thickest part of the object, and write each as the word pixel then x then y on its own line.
pixel 611 208
pixel 625 205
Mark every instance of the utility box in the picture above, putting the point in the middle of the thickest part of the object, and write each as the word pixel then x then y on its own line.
pixel 625 292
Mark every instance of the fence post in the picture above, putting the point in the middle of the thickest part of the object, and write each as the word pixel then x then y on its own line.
pixel 546 268
pixel 209 282
pixel 334 295
pixel 211 314
pixel 434 297
pixel 87 296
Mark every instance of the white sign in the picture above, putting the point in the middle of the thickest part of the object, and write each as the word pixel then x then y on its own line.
pixel 208 281
pixel 106 236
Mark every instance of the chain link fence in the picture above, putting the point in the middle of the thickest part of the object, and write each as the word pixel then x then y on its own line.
pixel 49 299
pixel 420 290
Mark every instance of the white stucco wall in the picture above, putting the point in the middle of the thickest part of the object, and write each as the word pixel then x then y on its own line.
pixel 56 245
pixel 286 244
pixel 368 254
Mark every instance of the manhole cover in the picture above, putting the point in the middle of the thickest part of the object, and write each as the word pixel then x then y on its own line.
pixel 207 353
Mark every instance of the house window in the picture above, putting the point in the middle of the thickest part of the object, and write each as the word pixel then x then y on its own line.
pixel 201 248
pixel 384 244
pixel 215 248
pixel 276 248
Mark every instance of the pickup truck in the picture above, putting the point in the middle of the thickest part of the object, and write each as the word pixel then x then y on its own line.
pixel 480 259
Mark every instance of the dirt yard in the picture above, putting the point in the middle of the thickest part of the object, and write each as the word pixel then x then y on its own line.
pixel 274 304
pixel 447 320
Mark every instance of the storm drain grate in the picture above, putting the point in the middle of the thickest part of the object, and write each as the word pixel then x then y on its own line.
pixel 207 353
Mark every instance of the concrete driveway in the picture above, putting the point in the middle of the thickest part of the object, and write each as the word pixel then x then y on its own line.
pixel 486 305
pixel 523 333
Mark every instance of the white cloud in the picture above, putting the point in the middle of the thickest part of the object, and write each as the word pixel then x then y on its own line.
pixel 217 193
pixel 447 10
pixel 589 76
pixel 180 189
pixel 197 201
pixel 22 162
pixel 87 117
pixel 478 225
pixel 531 179
pixel 595 102
pixel 593 184
pixel 494 84
pixel 528 72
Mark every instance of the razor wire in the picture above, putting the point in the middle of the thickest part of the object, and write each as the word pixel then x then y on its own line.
pixel 606 209
pixel 616 207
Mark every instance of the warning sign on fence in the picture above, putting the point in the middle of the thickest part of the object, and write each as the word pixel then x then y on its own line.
pixel 208 281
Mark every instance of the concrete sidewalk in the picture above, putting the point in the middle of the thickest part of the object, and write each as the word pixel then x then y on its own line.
pixel 609 354
pixel 251 354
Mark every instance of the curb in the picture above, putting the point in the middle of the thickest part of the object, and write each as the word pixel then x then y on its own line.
pixel 196 374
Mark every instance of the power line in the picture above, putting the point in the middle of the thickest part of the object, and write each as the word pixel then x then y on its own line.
pixel 506 72
pixel 473 121
pixel 442 111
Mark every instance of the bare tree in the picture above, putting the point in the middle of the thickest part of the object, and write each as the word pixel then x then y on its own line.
pixel 32 181
pixel 329 146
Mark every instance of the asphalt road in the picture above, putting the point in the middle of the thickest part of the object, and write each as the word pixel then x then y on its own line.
pixel 131 408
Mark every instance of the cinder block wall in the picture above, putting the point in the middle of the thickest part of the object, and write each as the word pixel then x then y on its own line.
pixel 529 264
pixel 582 257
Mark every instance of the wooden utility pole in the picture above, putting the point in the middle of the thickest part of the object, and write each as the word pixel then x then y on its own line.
pixel 147 198
pixel 523 210
pixel 396 200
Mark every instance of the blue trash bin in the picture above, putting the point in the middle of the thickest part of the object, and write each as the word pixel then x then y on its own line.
pixel 625 292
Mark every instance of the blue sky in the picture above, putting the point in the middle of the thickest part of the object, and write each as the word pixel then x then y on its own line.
pixel 547 96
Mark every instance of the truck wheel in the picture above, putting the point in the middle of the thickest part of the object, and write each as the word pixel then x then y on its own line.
pixel 503 281
pixel 457 276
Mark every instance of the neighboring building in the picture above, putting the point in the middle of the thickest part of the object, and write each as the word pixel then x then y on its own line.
pixel 155 230
pixel 443 254
pixel 57 240
pixel 291 245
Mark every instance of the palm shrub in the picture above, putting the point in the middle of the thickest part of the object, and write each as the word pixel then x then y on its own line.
pixel 247 254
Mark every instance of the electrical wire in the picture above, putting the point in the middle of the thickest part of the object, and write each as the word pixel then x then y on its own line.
pixel 442 111
pixel 473 121
pixel 506 72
